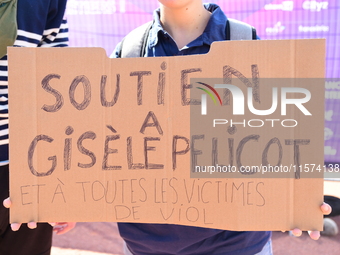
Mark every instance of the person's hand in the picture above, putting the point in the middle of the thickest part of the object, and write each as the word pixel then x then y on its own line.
pixel 62 227
pixel 315 235
pixel 15 226
pixel 58 227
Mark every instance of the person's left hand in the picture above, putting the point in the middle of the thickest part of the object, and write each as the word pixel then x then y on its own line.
pixel 58 227
pixel 315 235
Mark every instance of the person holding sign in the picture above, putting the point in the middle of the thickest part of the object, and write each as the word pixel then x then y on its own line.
pixel 183 28
pixel 37 23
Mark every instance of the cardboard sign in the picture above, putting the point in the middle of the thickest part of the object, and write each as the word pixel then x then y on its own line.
pixel 99 139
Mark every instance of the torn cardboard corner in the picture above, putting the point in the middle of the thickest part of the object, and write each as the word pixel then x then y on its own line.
pixel 98 139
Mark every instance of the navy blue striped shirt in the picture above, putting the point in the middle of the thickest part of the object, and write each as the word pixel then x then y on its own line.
pixel 41 23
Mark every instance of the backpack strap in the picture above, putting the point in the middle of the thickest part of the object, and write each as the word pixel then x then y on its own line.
pixel 133 45
pixel 238 30
pixel 8 24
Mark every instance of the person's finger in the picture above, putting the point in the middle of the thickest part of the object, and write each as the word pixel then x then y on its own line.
pixel 7 202
pixel 63 227
pixel 58 228
pixel 326 208
pixel 315 235
pixel 32 225
pixel 296 232
pixel 15 226
pixel 62 230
